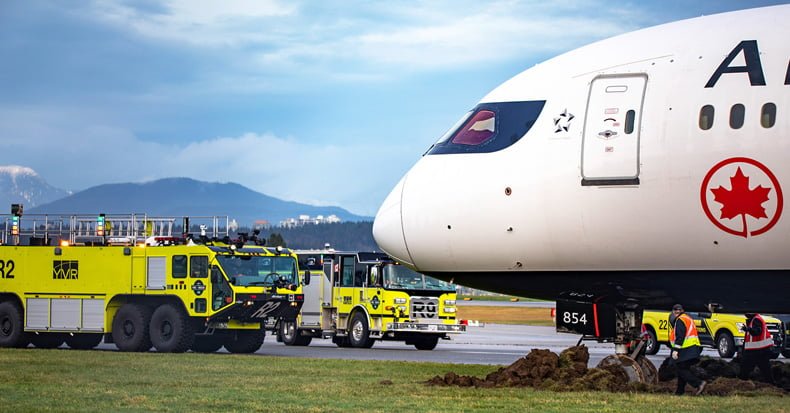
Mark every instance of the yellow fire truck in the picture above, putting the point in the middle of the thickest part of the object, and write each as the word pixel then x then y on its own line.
pixel 128 280
pixel 356 298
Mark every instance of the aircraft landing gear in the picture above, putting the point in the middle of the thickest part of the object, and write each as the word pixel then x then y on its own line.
pixel 620 324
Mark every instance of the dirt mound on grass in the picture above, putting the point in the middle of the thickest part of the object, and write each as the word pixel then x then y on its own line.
pixel 543 369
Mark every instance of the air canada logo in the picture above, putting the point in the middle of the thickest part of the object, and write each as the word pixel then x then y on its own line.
pixel 741 197
pixel 65 270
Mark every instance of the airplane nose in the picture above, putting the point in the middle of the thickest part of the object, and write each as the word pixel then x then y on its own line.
pixel 388 226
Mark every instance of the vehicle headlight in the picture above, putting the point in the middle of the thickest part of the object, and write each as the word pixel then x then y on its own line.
pixel 449 302
pixel 400 301
pixel 449 310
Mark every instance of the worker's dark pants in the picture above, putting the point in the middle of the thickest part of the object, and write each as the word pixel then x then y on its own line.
pixel 686 376
pixel 759 358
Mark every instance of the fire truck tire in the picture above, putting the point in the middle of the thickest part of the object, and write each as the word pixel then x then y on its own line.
pixel 245 341
pixel 47 340
pixel 83 341
pixel 651 345
pixel 208 344
pixel 130 328
pixel 341 341
pixel 12 333
pixel 427 343
pixel 290 334
pixel 171 331
pixel 725 344
pixel 359 334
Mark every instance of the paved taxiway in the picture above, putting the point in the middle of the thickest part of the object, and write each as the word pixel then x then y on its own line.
pixel 490 344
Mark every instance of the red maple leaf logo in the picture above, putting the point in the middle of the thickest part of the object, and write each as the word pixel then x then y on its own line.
pixel 741 200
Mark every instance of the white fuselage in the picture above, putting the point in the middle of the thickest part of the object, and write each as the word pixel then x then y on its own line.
pixel 578 192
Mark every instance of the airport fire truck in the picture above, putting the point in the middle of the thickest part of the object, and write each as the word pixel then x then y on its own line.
pixel 129 280
pixel 355 298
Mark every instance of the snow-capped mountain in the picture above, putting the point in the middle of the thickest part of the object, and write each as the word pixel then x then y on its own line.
pixel 20 184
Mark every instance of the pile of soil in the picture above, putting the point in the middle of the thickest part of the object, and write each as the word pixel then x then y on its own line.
pixel 543 369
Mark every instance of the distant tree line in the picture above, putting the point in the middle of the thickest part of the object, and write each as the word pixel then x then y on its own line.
pixel 348 236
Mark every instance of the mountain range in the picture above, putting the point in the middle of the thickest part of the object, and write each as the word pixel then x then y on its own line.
pixel 164 197
pixel 22 185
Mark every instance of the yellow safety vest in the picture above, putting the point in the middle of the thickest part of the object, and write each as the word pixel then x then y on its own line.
pixel 691 339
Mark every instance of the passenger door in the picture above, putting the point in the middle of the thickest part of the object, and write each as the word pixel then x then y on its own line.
pixel 610 146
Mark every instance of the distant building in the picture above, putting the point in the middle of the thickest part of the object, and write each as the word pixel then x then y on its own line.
pixel 261 224
pixel 308 220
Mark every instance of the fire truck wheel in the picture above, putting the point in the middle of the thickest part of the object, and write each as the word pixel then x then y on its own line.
pixel 359 335
pixel 12 332
pixel 208 344
pixel 83 341
pixel 725 344
pixel 290 335
pixel 170 330
pixel 47 340
pixel 427 343
pixel 244 341
pixel 652 344
pixel 341 341
pixel 130 328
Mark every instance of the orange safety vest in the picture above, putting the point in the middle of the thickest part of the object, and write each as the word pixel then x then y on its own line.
pixel 764 340
pixel 691 339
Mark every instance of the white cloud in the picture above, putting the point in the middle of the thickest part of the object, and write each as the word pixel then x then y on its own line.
pixel 198 22
pixel 360 40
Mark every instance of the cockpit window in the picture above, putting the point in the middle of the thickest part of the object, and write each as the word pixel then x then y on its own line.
pixel 490 127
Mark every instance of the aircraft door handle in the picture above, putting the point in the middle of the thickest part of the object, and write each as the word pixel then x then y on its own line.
pixel 607 134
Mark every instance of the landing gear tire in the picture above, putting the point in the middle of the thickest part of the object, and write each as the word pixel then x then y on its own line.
pixel 426 343
pixel 244 341
pixel 290 334
pixel 171 331
pixel 47 340
pixel 725 344
pixel 12 333
pixel 208 344
pixel 637 371
pixel 359 336
pixel 651 345
pixel 130 328
pixel 83 341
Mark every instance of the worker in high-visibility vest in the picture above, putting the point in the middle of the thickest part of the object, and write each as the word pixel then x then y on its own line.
pixel 757 346
pixel 686 349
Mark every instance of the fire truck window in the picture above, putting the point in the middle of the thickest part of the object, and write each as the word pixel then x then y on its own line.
pixel 348 272
pixel 198 267
pixel 179 266
pixel 359 276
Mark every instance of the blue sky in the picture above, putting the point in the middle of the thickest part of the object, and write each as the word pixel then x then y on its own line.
pixel 321 102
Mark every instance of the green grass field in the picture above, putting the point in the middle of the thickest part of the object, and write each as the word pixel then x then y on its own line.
pixel 35 380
